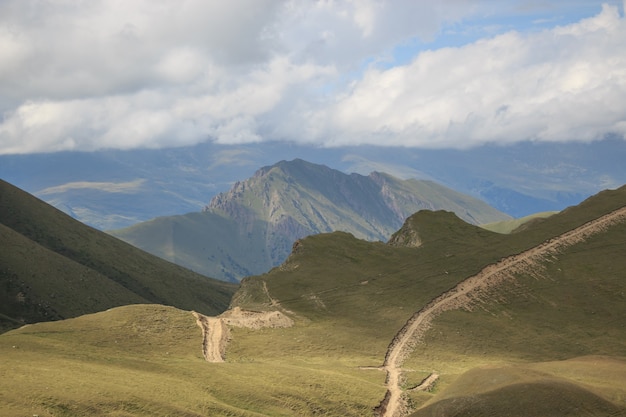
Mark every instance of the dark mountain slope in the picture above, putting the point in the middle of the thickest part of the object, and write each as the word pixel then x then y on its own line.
pixel 251 228
pixel 55 267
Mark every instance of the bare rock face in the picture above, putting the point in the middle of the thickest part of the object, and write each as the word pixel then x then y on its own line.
pixel 407 237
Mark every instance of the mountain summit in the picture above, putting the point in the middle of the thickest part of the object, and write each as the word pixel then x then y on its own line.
pixel 324 200
pixel 251 228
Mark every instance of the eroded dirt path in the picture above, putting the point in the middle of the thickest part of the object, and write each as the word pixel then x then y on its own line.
pixel 470 292
pixel 214 337
pixel 216 333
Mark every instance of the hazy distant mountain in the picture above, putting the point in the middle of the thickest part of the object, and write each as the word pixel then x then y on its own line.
pixel 251 228
pixel 113 189
pixel 53 267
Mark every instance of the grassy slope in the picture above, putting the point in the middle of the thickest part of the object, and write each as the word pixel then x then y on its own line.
pixel 65 268
pixel 365 293
pixel 41 284
pixel 350 297
pixel 573 306
pixel 532 390
pixel 145 360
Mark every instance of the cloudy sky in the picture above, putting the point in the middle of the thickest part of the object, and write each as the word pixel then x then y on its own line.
pixel 88 75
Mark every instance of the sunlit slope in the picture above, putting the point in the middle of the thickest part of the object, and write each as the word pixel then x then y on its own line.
pixel 146 360
pixel 588 386
pixel 55 267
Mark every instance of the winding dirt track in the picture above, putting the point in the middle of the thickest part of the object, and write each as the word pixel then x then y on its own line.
pixel 470 291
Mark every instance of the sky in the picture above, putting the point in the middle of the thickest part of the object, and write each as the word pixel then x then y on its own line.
pixel 126 74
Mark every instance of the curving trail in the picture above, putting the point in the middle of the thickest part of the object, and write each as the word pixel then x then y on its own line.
pixel 470 291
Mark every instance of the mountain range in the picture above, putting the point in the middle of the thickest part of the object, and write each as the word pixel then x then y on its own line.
pixel 447 318
pixel 251 228
pixel 112 189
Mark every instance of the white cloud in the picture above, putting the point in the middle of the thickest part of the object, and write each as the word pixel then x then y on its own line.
pixel 144 73
pixel 128 187
pixel 568 83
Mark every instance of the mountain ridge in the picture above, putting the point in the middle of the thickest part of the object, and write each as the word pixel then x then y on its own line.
pixel 519 179
pixel 251 228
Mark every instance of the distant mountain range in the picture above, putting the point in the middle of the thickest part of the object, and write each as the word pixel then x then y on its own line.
pixel 251 228
pixel 112 189
pixel 53 267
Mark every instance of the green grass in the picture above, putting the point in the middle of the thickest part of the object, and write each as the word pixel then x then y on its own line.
pixel 574 307
pixel 146 360
pixel 558 332
pixel 538 397
pixel 366 291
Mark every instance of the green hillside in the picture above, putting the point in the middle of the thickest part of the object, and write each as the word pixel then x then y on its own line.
pixel 568 307
pixel 53 267
pixel 251 228
pixel 549 341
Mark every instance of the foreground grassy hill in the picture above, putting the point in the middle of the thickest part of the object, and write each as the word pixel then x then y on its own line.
pixel 53 267
pixel 549 341
pixel 250 229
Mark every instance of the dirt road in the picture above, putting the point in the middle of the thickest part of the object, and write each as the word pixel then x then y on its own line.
pixel 216 333
pixel 214 337
pixel 469 292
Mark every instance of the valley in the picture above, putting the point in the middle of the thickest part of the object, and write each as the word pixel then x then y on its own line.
pixel 445 318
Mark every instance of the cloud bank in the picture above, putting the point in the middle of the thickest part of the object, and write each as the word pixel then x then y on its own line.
pixel 117 74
